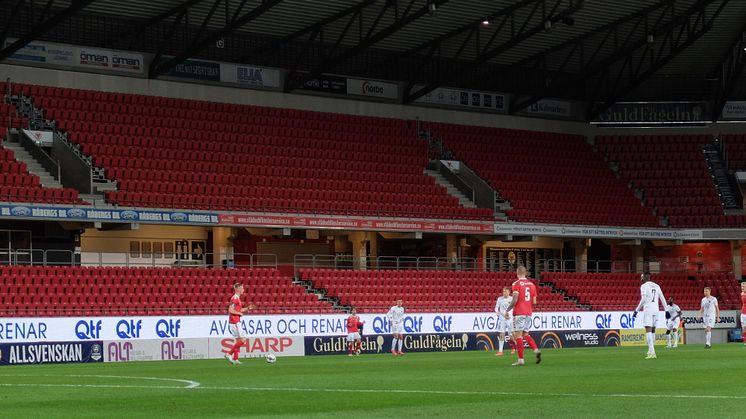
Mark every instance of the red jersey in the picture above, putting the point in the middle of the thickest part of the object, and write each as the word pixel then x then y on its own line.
pixel 236 305
pixel 743 301
pixel 353 324
pixel 526 291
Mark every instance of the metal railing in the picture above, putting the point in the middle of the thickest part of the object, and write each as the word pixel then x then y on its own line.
pixel 302 261
pixel 53 257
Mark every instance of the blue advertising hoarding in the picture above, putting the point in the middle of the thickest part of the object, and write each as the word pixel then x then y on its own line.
pixel 51 352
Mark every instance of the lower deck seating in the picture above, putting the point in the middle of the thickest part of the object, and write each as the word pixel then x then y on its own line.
pixel 424 291
pixel 621 291
pixel 105 291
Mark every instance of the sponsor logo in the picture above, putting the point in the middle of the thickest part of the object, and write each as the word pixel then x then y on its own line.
pixel 249 75
pixel 314 83
pixel 23 330
pixel 627 321
pixel 129 329
pixel 97 352
pixel 88 330
pixel 172 350
pixel 442 324
pixel 118 61
pixel 128 215
pixel 119 351
pixel 76 213
pixel 603 321
pixel 258 346
pixel 167 328
pixel 20 211
pixel 89 58
pixel 411 324
pixel 370 88
pixel 178 216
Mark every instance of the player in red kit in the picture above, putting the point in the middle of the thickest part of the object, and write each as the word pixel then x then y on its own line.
pixel 354 342
pixel 743 312
pixel 235 311
pixel 524 298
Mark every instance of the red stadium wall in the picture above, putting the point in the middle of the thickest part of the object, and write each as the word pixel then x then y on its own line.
pixel 706 257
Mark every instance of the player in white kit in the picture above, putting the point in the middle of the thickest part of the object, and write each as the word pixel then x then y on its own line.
pixel 396 320
pixel 504 319
pixel 710 312
pixel 650 296
pixel 673 317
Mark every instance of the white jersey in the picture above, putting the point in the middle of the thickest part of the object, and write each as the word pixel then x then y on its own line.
pixel 650 296
pixel 709 306
pixel 673 310
pixel 396 314
pixel 501 307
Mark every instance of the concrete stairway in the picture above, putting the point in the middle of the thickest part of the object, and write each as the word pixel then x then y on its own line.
pixel 45 178
pixel 452 190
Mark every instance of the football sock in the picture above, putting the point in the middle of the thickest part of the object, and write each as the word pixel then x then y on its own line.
pixel 675 338
pixel 744 338
pixel 500 344
pixel 668 340
pixel 651 342
pixel 236 348
pixel 531 342
pixel 511 343
pixel 708 335
pixel 401 341
pixel 393 344
pixel 349 347
pixel 359 346
pixel 519 344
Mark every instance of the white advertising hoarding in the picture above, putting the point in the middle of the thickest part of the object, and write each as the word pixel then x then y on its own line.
pixel 190 327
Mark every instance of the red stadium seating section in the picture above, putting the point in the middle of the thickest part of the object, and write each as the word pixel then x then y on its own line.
pixel 105 291
pixel 673 173
pixel 549 178
pixel 16 183
pixel 424 291
pixel 621 291
pixel 167 152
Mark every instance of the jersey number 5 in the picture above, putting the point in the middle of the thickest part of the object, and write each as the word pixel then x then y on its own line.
pixel 527 294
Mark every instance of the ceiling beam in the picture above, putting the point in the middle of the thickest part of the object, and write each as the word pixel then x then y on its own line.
pixel 627 35
pixel 414 10
pixel 634 69
pixel 730 69
pixel 44 26
pixel 199 42
pixel 515 24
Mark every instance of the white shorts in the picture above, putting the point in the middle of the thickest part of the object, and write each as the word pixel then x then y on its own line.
pixel 504 325
pixel 649 318
pixel 743 321
pixel 672 324
pixel 397 328
pixel 351 337
pixel 708 321
pixel 236 331
pixel 522 323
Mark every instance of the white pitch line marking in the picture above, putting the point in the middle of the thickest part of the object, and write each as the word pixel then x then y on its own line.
pixel 189 383
pixel 341 390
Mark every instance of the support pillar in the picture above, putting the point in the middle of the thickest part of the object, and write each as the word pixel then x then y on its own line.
pixel 737 255
pixel 638 258
pixel 359 240
pixel 222 246
pixel 581 255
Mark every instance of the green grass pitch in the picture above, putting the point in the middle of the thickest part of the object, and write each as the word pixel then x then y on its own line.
pixel 603 382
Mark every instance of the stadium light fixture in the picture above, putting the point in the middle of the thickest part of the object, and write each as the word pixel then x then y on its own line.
pixel 485 21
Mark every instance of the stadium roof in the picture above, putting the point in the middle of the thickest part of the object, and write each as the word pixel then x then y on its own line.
pixel 590 50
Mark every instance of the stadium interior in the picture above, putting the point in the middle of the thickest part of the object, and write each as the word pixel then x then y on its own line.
pixel 523 149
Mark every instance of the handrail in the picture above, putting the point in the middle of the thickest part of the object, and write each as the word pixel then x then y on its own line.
pixel 61 257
